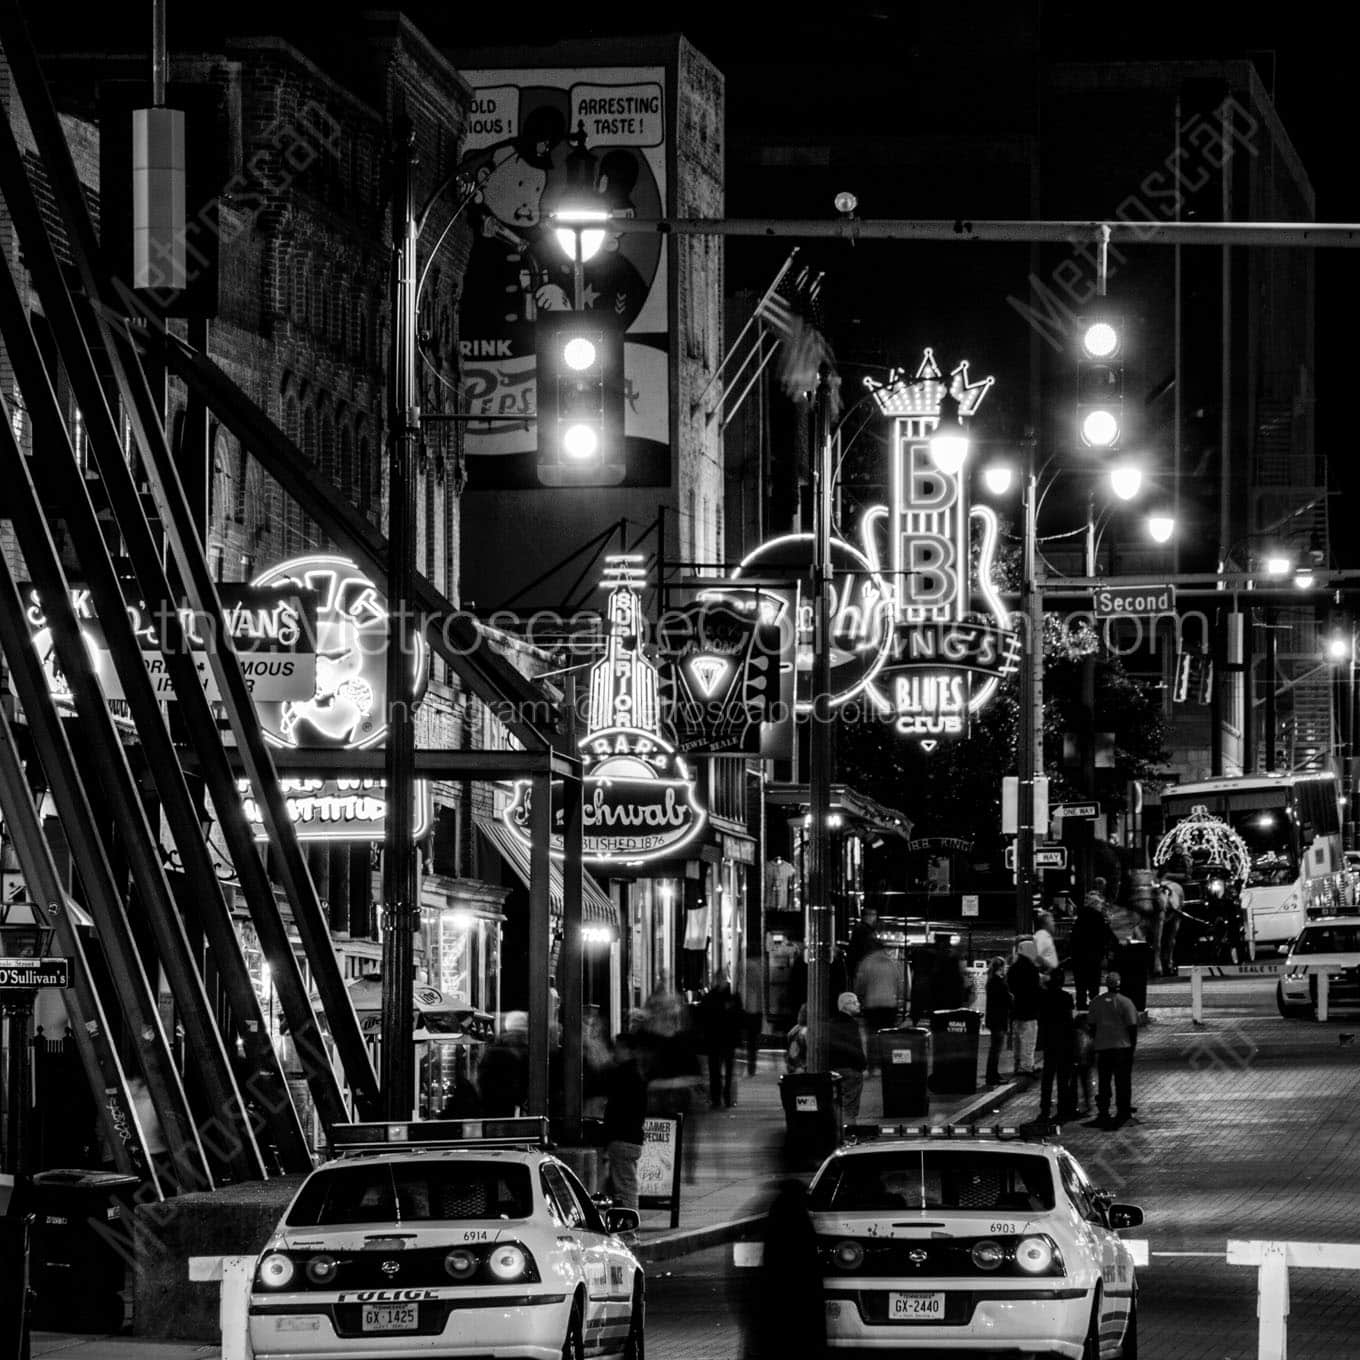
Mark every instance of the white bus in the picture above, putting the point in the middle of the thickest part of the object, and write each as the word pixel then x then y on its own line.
pixel 1291 824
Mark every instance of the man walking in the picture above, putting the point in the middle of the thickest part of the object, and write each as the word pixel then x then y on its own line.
pixel 1089 943
pixel 1057 1034
pixel 625 1109
pixel 1113 1023
pixel 846 1054
pixel 878 984
pixel 1023 980
pixel 721 1021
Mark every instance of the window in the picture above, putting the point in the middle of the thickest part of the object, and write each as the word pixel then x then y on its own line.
pixel 561 1202
pixel 346 471
pixel 1329 940
pixel 1079 1189
pixel 408 1192
pixel 943 1178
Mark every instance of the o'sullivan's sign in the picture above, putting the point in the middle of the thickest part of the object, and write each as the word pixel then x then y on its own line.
pixel 639 796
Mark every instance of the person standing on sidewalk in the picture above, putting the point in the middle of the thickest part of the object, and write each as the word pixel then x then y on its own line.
pixel 786 1314
pixel 720 1024
pixel 1090 943
pixel 846 1054
pixel 1113 1023
pixel 997 1017
pixel 878 985
pixel 1023 980
pixel 861 940
pixel 1057 1034
pixel 625 1108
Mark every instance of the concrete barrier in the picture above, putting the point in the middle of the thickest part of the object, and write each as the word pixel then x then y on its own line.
pixel 1200 971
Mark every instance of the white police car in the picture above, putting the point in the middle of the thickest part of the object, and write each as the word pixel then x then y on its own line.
pixel 448 1238
pixel 1329 944
pixel 943 1239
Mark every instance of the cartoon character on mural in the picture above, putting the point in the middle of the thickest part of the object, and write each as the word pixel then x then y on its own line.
pixel 343 702
pixel 529 147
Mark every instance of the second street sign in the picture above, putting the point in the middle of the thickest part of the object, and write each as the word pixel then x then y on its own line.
pixel 1110 603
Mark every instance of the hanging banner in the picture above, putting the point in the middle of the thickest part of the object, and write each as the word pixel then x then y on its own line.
pixel 640 800
pixel 272 630
pixel 534 136
pixel 727 670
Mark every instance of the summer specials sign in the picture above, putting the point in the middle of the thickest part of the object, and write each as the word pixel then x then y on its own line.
pixel 533 137
pixel 639 796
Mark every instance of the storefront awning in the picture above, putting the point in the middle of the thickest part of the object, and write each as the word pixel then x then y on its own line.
pixel 595 903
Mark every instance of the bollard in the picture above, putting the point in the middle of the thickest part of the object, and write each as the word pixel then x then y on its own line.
pixel 234 1306
pixel 1272 1302
pixel 1323 987
pixel 1197 994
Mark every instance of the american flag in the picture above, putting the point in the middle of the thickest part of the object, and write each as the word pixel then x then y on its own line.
pixel 792 311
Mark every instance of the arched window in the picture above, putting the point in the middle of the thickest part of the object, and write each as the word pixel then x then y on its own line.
pixel 291 426
pixel 301 268
pixel 309 434
pixel 346 477
pixel 326 453
pixel 365 474
pixel 323 309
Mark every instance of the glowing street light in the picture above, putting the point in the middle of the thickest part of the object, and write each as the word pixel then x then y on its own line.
pixel 1304 578
pixel 1126 480
pixel 1277 565
pixel 570 225
pixel 1100 340
pixel 1161 527
pixel 1338 648
pixel 997 478
pixel 949 441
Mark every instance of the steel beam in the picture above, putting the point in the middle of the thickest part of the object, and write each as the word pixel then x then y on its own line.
pixel 430 764
pixel 540 941
pixel 572 957
pixel 89 1026
pixel 102 896
pixel 180 526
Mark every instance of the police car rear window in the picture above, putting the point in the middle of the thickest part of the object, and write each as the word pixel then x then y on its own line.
pixel 935 1178
pixel 414 1192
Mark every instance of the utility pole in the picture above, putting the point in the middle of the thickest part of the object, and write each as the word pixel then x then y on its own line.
pixel 1031 759
pixel 820 750
pixel 400 899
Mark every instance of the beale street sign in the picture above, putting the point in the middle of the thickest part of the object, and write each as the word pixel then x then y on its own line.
pixel 639 796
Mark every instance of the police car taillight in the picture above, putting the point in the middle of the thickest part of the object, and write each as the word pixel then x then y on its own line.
pixel 988 1255
pixel 321 1269
pixel 461 1264
pixel 507 1263
pixel 848 1255
pixel 1035 1255
pixel 276 1270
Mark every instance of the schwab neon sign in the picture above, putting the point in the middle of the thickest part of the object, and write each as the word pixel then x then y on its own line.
pixel 639 800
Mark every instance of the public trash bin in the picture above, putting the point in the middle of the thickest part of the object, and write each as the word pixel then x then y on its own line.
pixel 81 1247
pixel 905 1055
pixel 812 1116
pixel 14 1321
pixel 955 1039
pixel 1132 960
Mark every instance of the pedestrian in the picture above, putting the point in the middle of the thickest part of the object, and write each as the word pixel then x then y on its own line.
pixel 1113 1023
pixel 625 1109
pixel 1085 1063
pixel 798 978
pixel 846 1054
pixel 1057 1034
pixel 1173 913
pixel 997 1017
pixel 1090 944
pixel 1023 980
pixel 787 1313
pixel 720 1025
pixel 795 1054
pixel 1045 946
pixel 949 983
pixel 878 984
pixel 861 939
pixel 753 999
pixel 503 1073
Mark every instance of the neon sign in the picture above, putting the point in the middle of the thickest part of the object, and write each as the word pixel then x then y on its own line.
pixel 347 707
pixel 639 799
pixel 337 809
pixel 947 655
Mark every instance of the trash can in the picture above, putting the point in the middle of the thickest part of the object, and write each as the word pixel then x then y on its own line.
pixel 812 1116
pixel 905 1054
pixel 14 1248
pixel 80 1250
pixel 955 1038
pixel 1132 960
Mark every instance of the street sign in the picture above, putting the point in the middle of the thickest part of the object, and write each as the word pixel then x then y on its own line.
pixel 970 904
pixel 1151 599
pixel 1045 857
pixel 32 973
pixel 1076 810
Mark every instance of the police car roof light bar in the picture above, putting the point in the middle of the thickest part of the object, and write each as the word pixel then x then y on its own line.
pixel 529 1131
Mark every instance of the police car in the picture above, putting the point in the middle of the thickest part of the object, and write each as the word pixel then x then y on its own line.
pixel 1329 944
pixel 959 1238
pixel 448 1238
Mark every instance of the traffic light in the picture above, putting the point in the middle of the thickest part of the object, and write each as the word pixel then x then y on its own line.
pixel 1180 687
pixel 580 399
pixel 1204 680
pixel 1100 382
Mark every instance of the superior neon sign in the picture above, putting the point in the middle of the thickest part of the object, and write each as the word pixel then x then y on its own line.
pixel 639 799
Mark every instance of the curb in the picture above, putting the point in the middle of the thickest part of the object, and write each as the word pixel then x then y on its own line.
pixel 682 1242
pixel 687 1240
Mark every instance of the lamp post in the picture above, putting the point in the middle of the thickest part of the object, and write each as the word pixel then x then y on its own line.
pixel 22 936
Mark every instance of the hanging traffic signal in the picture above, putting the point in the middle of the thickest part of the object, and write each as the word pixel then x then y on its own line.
pixel 1180 687
pixel 1204 680
pixel 580 399
pixel 1100 382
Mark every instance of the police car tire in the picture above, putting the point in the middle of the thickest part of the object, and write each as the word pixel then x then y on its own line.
pixel 574 1346
pixel 1130 1347
pixel 636 1346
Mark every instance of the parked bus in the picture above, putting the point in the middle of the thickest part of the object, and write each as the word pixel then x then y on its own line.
pixel 1291 824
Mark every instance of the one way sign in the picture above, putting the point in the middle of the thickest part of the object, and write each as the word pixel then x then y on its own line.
pixel 1045 857
pixel 1075 810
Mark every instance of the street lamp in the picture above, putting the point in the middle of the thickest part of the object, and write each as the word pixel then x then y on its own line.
pixel 1126 480
pixel 1161 527
pixel 22 936
pixel 997 478
pixel 949 440
pixel 1278 565
pixel 578 220
pixel 1338 648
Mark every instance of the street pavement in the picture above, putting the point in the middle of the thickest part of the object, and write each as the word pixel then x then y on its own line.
pixel 1245 1129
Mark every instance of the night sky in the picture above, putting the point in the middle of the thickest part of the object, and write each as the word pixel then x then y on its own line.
pixel 812 48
